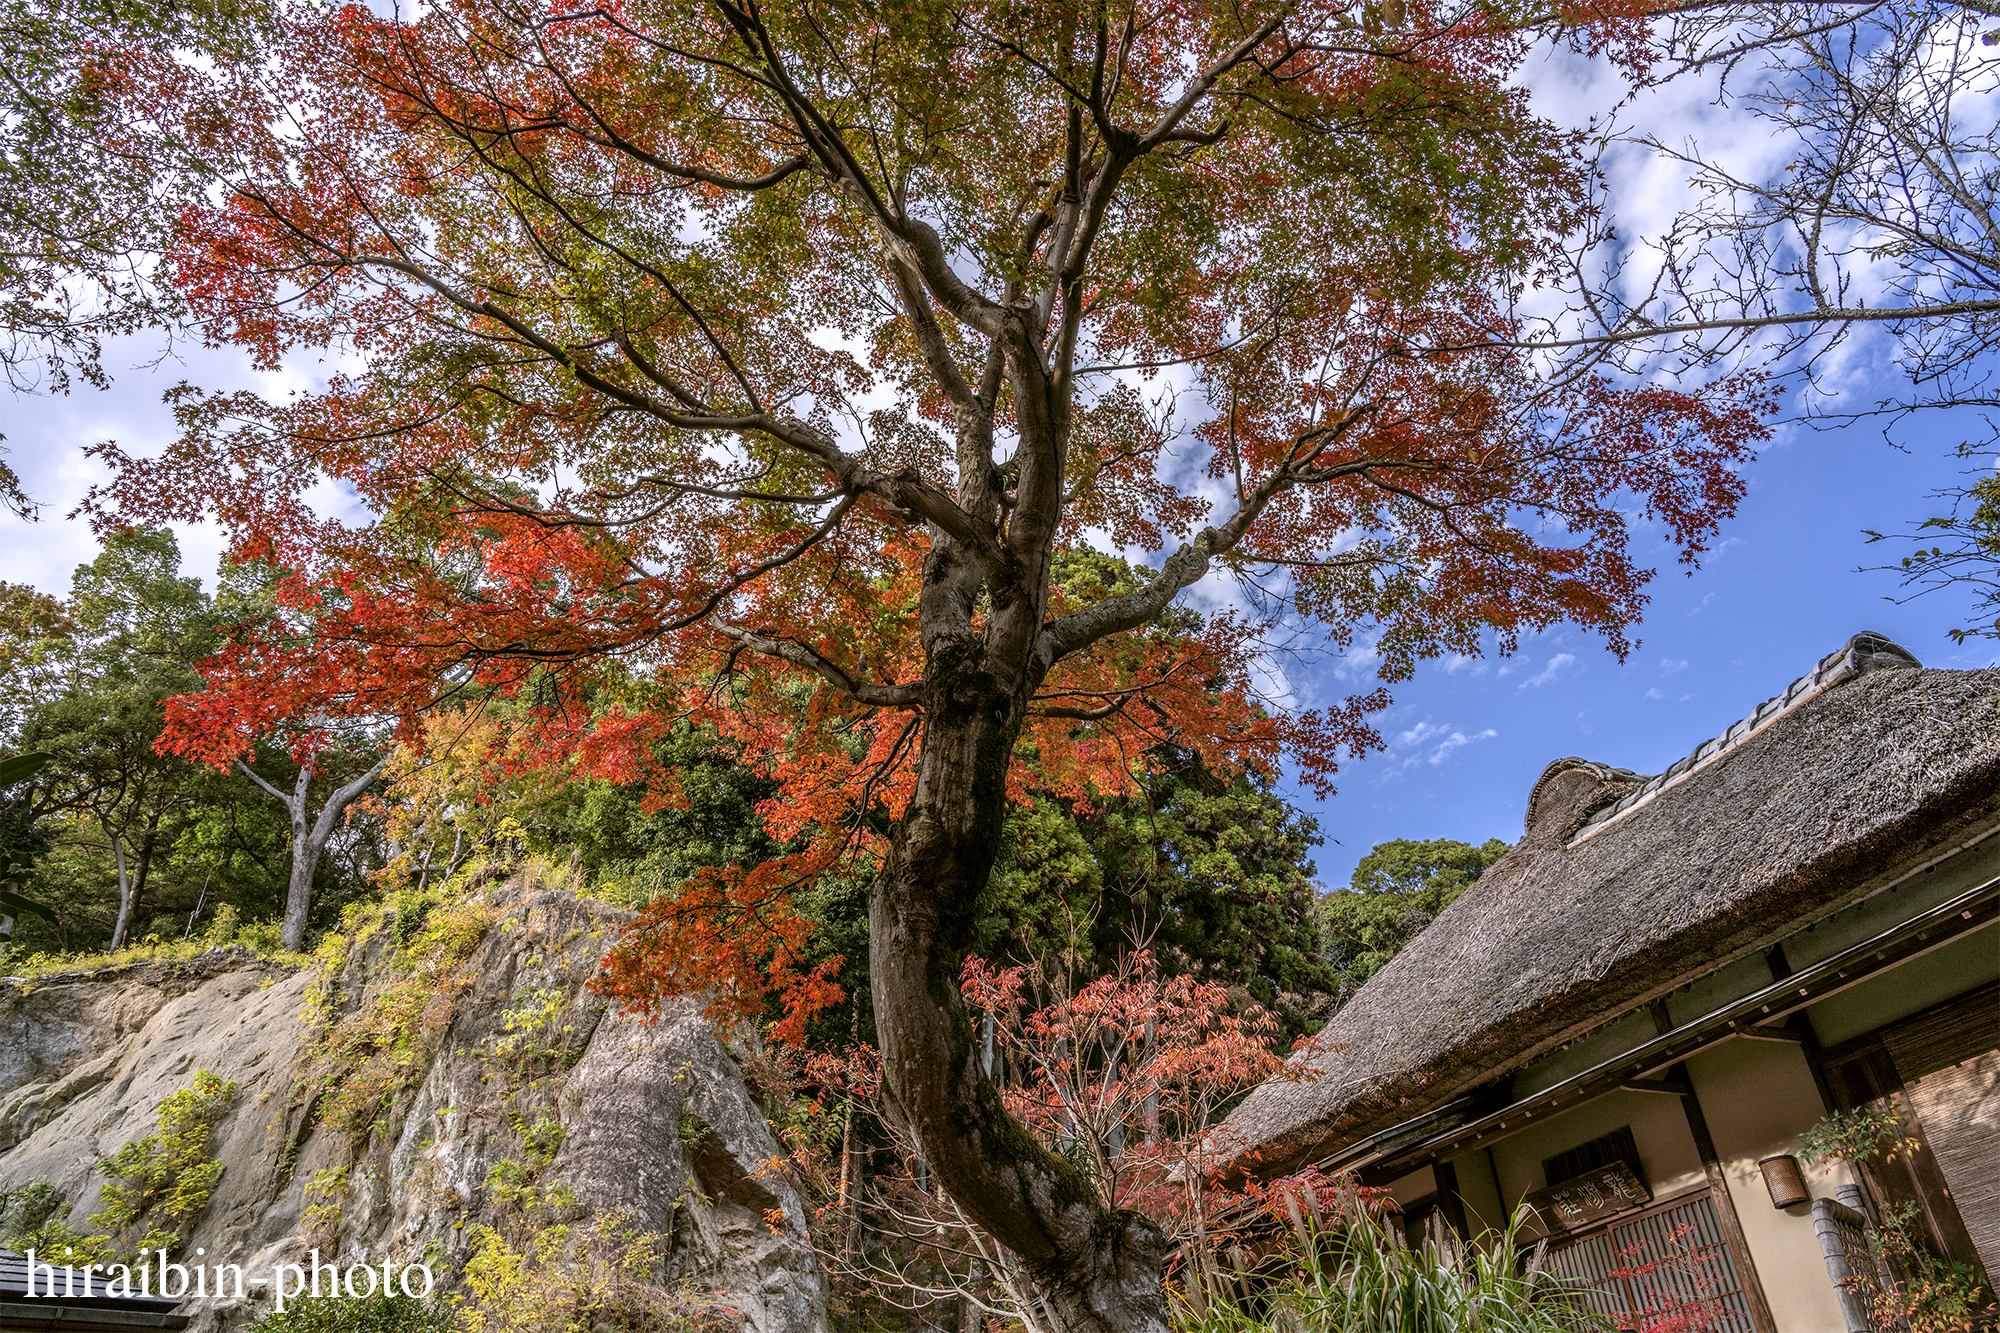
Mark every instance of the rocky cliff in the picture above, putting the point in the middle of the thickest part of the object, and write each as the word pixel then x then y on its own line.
pixel 442 1086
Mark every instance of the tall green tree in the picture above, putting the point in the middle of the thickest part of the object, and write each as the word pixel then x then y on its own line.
pixel 132 616
pixel 127 840
pixel 1396 891
pixel 89 184
pixel 14 770
pixel 1212 873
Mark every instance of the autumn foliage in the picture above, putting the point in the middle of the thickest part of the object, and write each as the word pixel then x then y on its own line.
pixel 1134 1071
pixel 613 397
pixel 1129 1072
pixel 767 370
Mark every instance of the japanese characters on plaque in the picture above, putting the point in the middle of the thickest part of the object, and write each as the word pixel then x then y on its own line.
pixel 1590 1197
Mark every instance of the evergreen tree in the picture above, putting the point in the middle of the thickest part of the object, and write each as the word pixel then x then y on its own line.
pixel 1212 873
pixel 1396 891
pixel 126 841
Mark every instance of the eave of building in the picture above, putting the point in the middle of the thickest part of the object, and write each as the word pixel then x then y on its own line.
pixel 1469 1123
pixel 76 1317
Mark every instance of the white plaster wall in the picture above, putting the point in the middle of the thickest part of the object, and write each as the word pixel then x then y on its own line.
pixel 1479 1192
pixel 1659 1125
pixel 1759 1097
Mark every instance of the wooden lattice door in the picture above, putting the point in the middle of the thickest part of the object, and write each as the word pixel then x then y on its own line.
pixel 1671 1252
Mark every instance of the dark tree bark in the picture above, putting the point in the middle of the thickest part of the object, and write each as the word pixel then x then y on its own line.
pixel 1099 1270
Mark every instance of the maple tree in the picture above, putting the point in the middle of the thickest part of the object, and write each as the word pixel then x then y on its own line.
pixel 1396 890
pixel 324 743
pixel 90 189
pixel 755 367
pixel 1129 1073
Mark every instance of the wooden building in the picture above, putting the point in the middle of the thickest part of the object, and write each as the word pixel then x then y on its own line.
pixel 1632 1019
pixel 68 1300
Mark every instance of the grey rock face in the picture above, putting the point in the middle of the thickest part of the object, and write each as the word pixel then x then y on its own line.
pixel 658 1131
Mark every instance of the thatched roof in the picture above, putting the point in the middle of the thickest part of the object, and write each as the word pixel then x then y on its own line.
pixel 1624 887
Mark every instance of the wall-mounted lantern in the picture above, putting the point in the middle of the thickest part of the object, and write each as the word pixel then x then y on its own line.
pixel 1782 1178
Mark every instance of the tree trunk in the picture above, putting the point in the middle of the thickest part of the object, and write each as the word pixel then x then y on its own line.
pixel 143 869
pixel 309 839
pixel 298 893
pixel 124 894
pixel 1100 1270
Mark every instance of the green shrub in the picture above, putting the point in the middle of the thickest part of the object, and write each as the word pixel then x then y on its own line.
pixel 166 1178
pixel 266 939
pixel 31 1220
pixel 371 1314
pixel 222 927
pixel 1855 1136
pixel 324 1195
pixel 26 1207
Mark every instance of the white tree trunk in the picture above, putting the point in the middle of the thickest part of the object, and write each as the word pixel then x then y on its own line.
pixel 124 894
pixel 309 839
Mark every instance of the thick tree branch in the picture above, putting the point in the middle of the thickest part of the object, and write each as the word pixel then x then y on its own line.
pixel 251 773
pixel 342 797
pixel 1200 85
pixel 862 692
pixel 918 242
pixel 904 489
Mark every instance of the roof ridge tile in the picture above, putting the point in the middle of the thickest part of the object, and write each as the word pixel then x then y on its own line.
pixel 1863 653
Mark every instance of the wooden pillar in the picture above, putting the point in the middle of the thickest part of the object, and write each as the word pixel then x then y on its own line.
pixel 1449 1202
pixel 1725 1207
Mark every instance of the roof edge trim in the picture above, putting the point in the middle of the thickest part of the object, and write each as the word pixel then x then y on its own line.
pixel 1863 653
pixel 1975 909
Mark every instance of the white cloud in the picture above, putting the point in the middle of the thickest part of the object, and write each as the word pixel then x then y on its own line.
pixel 1431 742
pixel 1671 666
pixel 1361 661
pixel 46 436
pixel 1419 734
pixel 1654 694
pixel 1556 665
pixel 1456 739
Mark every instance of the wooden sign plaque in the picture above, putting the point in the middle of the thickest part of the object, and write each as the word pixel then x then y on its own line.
pixel 1590 1197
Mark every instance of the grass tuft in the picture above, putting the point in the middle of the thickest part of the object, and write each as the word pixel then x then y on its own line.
pixel 1363 1278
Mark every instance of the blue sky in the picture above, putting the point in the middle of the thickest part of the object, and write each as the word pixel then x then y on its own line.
pixel 1781 590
